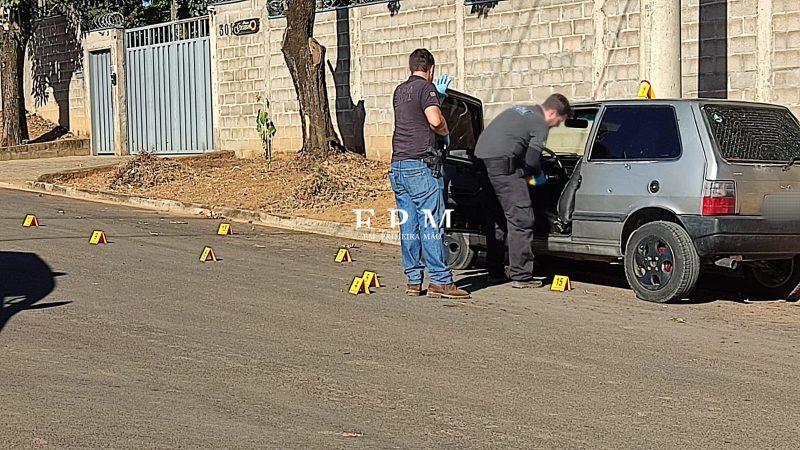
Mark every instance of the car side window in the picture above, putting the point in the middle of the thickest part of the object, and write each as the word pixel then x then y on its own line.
pixel 637 133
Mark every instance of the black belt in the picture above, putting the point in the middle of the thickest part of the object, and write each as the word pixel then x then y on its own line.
pixel 501 166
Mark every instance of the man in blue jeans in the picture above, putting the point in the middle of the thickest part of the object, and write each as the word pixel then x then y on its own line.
pixel 419 192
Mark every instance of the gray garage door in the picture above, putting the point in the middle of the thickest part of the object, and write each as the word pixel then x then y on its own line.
pixel 169 87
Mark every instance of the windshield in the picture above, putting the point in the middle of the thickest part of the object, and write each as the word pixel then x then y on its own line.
pixel 753 133
pixel 563 139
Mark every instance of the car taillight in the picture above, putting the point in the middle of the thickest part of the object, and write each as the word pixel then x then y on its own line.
pixel 719 198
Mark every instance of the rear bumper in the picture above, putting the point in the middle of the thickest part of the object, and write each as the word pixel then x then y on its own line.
pixel 746 236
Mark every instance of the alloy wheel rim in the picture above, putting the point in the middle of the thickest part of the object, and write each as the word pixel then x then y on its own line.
pixel 654 263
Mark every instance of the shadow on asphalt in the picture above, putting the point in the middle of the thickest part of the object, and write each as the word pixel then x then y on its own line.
pixel 711 287
pixel 25 280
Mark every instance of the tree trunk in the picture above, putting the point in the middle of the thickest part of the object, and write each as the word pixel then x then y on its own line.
pixel 173 10
pixel 305 58
pixel 12 64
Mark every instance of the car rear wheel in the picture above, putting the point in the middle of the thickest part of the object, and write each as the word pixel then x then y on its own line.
pixel 778 278
pixel 459 254
pixel 661 262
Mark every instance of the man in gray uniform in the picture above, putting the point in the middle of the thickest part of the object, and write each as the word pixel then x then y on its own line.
pixel 511 149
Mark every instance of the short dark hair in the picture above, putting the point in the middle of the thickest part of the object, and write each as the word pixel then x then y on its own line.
pixel 421 60
pixel 559 104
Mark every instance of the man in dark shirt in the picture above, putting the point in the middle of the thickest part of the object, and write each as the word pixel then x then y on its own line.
pixel 511 149
pixel 419 192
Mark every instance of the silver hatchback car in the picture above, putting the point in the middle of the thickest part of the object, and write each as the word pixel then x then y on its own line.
pixel 667 187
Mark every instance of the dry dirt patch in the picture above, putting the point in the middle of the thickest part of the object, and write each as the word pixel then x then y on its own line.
pixel 42 130
pixel 328 190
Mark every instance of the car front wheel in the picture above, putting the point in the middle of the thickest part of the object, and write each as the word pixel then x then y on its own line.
pixel 778 279
pixel 661 262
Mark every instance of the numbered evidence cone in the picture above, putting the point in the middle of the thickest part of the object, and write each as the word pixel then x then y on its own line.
pixel 358 286
pixel 208 255
pixel 561 283
pixel 224 229
pixel 30 221
pixel 370 280
pixel 343 256
pixel 98 237
pixel 364 282
pixel 646 90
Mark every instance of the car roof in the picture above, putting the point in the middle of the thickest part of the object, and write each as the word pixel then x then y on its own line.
pixel 703 101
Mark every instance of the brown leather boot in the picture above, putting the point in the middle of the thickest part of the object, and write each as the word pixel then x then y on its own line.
pixel 447 291
pixel 413 290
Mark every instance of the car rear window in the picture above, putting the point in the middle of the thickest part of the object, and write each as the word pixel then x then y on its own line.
pixel 753 133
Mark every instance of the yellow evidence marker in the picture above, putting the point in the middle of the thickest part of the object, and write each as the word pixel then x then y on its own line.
pixel 370 280
pixel 98 237
pixel 561 284
pixel 343 255
pixel 224 229
pixel 30 221
pixel 208 255
pixel 358 286
pixel 646 90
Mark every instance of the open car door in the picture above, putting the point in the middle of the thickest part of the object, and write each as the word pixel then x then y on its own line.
pixel 465 177
pixel 467 190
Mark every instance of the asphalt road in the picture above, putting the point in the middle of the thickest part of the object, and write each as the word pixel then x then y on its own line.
pixel 138 344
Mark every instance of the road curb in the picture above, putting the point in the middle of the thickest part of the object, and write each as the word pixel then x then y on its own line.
pixel 291 223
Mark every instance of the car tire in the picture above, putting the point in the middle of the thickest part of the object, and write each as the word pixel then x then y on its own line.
pixel 459 254
pixel 779 279
pixel 661 262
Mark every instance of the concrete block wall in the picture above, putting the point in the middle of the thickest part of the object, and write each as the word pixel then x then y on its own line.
pixel 240 68
pixel 523 51
pixel 516 51
pixel 386 42
pixel 742 49
pixel 784 64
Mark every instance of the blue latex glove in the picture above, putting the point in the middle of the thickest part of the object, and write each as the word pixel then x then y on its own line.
pixel 538 180
pixel 442 82
pixel 446 141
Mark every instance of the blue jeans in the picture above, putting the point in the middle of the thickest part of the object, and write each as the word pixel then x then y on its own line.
pixel 416 191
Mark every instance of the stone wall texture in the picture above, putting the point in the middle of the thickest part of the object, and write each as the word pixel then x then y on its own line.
pixel 515 51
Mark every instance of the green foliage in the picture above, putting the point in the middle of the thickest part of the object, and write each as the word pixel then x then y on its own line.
pixel 134 13
pixel 159 11
pixel 264 124
pixel 265 127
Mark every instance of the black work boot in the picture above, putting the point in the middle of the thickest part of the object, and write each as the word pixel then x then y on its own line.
pixel 497 278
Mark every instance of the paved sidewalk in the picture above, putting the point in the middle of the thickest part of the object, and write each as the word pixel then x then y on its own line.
pixel 20 171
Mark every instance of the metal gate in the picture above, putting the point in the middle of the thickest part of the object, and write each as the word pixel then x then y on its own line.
pixel 102 103
pixel 169 87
